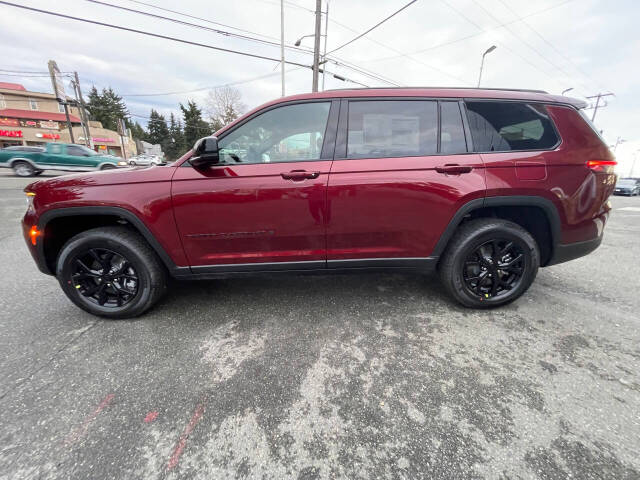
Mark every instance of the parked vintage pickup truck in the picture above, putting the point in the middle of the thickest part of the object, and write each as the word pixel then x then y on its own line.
pixel 29 161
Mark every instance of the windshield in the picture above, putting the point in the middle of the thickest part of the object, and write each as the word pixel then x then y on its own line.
pixel 626 183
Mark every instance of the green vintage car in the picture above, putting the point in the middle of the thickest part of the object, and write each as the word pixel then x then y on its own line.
pixel 28 161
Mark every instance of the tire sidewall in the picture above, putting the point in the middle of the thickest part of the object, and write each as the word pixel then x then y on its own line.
pixel 531 264
pixel 81 243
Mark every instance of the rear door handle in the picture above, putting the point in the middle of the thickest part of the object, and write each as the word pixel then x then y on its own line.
pixel 299 175
pixel 453 169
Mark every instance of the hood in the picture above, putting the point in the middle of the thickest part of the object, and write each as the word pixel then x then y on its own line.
pixel 107 177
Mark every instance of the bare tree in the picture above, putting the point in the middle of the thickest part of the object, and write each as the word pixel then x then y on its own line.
pixel 223 106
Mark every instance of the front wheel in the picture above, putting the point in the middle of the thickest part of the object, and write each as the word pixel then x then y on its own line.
pixel 23 169
pixel 489 262
pixel 107 166
pixel 111 272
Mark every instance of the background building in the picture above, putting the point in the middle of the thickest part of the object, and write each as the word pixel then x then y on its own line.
pixel 35 118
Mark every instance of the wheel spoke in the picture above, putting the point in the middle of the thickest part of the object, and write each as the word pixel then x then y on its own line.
pixel 102 294
pixel 505 249
pixel 83 266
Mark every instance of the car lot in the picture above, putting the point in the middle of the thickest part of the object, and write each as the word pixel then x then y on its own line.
pixel 350 376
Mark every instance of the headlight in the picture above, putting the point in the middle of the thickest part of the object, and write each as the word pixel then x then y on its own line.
pixel 30 197
pixel 122 164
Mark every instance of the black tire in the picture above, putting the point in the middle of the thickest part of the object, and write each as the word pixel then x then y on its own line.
pixel 144 265
pixel 38 172
pixel 107 166
pixel 23 169
pixel 489 236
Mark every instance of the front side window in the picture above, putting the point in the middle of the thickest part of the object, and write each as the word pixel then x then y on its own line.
pixel 291 133
pixel 55 149
pixel 79 151
pixel 33 104
pixel 504 126
pixel 392 128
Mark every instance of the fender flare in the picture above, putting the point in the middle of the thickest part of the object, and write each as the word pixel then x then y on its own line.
pixel 123 213
pixel 547 206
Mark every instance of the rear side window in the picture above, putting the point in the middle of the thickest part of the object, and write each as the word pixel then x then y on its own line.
pixel 505 126
pixel 452 138
pixel 392 128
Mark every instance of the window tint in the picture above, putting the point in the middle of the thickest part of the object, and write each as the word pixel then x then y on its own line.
pixel 78 151
pixel 504 126
pixel 391 128
pixel 452 138
pixel 285 134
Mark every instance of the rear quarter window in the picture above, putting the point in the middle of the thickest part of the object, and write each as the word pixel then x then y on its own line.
pixel 506 126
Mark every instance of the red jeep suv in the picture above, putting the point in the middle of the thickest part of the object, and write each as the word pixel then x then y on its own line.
pixel 483 186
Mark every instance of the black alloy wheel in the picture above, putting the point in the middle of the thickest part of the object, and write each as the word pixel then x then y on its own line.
pixel 104 277
pixel 489 262
pixel 493 268
pixel 111 272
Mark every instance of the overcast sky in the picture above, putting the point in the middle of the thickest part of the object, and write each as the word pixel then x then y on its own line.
pixel 589 45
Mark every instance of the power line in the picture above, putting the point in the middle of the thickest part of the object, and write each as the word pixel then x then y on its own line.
pixel 200 89
pixel 150 34
pixel 541 55
pixel 550 44
pixel 244 37
pixel 373 28
pixel 484 30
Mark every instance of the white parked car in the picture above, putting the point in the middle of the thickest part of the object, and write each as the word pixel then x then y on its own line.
pixel 147 160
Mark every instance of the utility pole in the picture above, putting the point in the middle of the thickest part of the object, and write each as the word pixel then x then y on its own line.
pixel 316 46
pixel 598 97
pixel 58 91
pixel 83 112
pixel 326 34
pixel 282 44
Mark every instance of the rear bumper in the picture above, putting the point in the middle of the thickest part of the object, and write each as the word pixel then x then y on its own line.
pixel 570 251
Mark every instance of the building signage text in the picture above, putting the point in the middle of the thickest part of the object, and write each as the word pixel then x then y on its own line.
pixel 9 122
pixel 103 140
pixel 11 133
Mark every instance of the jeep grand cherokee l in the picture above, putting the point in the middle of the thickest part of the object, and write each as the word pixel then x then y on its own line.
pixel 483 186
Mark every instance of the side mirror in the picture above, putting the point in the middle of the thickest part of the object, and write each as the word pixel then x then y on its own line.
pixel 205 153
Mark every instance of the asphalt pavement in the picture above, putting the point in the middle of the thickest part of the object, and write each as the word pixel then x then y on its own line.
pixel 312 377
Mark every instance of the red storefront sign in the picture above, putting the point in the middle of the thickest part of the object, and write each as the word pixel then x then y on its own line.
pixel 11 133
pixel 9 122
pixel 52 136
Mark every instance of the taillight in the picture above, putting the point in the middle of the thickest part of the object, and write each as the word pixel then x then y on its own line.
pixel 605 166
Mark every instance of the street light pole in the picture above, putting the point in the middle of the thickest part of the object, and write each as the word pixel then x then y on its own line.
pixel 489 50
pixel 316 46
pixel 324 52
pixel 282 44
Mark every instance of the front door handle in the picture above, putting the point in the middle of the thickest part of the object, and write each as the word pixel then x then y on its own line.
pixel 453 169
pixel 299 175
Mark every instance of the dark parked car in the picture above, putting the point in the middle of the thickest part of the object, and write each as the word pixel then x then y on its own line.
pixel 483 186
pixel 627 186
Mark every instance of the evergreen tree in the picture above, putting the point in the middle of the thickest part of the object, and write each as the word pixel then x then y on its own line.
pixel 194 126
pixel 106 107
pixel 176 147
pixel 137 131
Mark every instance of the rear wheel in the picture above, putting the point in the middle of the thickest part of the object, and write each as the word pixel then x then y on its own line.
pixel 23 169
pixel 111 272
pixel 489 262
pixel 107 166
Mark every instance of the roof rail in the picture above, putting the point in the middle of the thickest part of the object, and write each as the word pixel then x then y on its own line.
pixel 441 88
